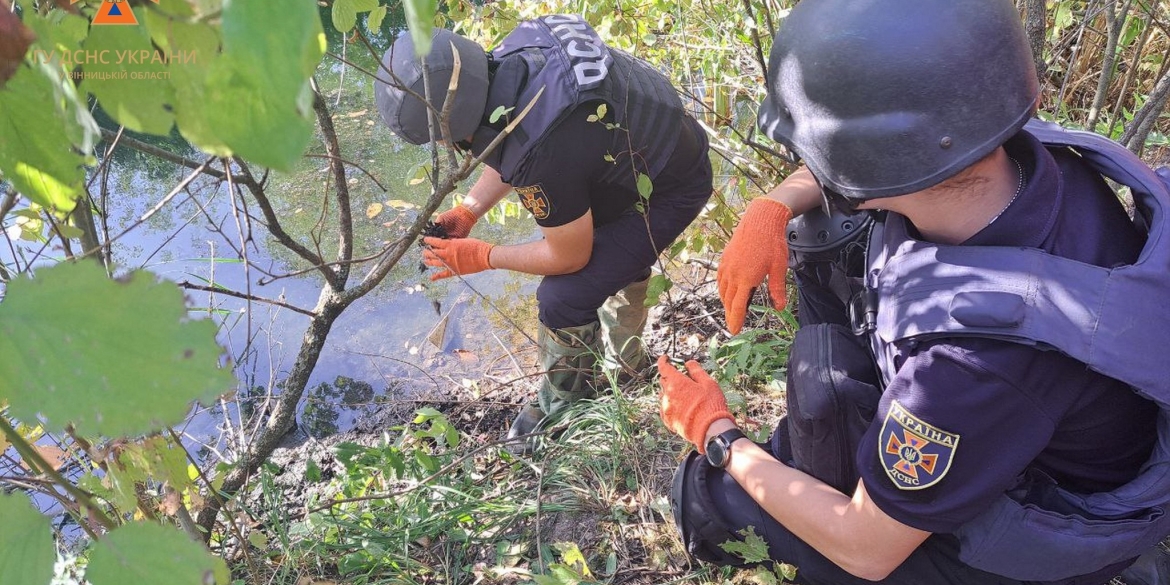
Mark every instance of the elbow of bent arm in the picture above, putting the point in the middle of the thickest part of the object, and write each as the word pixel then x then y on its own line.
pixel 576 262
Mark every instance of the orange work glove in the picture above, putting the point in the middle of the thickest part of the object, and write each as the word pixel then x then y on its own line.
pixel 758 248
pixel 457 222
pixel 461 256
pixel 688 406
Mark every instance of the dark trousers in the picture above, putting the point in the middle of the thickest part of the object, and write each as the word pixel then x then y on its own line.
pixel 626 248
pixel 830 407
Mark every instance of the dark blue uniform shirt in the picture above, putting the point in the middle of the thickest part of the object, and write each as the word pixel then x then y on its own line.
pixel 569 170
pixel 1013 407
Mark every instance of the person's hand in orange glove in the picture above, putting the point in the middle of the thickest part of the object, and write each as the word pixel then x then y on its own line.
pixel 758 249
pixel 458 256
pixel 457 222
pixel 689 405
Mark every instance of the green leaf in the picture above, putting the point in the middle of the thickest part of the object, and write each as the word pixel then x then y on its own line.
pixel 427 462
pixel 36 147
pixel 195 47
pixel 571 555
pixel 130 79
pixel 658 285
pixel 645 185
pixel 258 97
pixel 365 5
pixel 344 15
pixel 785 571
pixel 374 20
pixel 499 112
pixel 451 434
pixel 763 576
pixel 115 358
pixel 426 413
pixel 312 471
pixel 602 108
pixel 258 540
pixel 58 34
pixel 69 232
pixel 420 19
pixel 26 543
pixel 753 549
pixel 145 553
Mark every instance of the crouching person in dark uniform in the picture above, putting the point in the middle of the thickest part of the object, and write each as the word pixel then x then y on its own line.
pixel 981 444
pixel 604 129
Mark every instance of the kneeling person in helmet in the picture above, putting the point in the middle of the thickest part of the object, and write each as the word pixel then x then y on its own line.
pixel 917 109
pixel 603 127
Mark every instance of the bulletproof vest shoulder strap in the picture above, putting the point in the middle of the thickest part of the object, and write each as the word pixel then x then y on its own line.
pixel 1112 319
pixel 566 61
pixel 568 65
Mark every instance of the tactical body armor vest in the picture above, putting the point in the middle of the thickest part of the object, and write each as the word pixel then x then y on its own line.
pixel 566 59
pixel 1115 320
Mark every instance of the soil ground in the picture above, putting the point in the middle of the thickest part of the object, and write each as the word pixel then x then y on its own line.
pixel 648 551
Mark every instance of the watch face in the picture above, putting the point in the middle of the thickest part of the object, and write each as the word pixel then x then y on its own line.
pixel 716 453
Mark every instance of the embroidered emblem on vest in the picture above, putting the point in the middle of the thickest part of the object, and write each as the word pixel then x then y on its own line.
pixel 534 200
pixel 914 454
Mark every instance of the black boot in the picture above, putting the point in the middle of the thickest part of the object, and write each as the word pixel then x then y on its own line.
pixel 527 422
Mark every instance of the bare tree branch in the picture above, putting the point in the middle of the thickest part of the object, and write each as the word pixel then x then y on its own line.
pixel 1114 22
pixel 172 157
pixel 1134 137
pixel 1130 75
pixel 272 222
pixel 345 215
pixel 1035 24
pixel 239 295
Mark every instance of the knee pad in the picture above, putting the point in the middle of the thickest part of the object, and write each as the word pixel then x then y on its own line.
pixel 697 519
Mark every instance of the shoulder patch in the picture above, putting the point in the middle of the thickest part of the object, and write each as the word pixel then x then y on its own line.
pixel 914 454
pixel 534 200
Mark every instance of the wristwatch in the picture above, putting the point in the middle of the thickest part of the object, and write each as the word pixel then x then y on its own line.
pixel 719 447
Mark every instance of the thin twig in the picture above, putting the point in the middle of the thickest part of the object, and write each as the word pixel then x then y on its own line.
pixel 38 464
pixel 162 203
pixel 352 164
pixel 248 297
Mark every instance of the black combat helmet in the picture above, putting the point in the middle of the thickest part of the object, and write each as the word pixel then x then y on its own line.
pixel 885 98
pixel 405 114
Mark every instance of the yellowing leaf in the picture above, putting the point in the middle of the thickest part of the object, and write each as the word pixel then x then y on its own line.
pixel 400 204
pixel 258 540
pixel 52 454
pixel 373 210
pixel 374 21
pixel 571 555
pixel 36 152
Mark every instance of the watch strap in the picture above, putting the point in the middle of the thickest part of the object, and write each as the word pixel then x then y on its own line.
pixel 729 436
